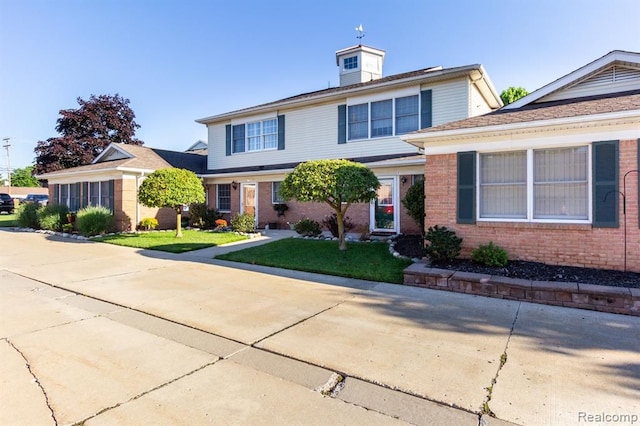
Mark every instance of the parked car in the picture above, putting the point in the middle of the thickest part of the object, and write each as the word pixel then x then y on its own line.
pixel 6 203
pixel 41 199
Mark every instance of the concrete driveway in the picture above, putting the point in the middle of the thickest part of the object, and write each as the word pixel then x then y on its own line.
pixel 101 334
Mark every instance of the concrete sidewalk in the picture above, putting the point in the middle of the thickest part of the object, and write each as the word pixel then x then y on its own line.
pixel 104 334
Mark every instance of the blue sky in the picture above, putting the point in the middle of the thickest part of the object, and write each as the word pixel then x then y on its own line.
pixel 179 60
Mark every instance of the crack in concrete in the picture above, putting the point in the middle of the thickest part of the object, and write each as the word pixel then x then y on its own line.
pixel 44 393
pixel 140 395
pixel 485 409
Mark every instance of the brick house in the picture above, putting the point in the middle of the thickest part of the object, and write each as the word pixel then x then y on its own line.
pixel 552 177
pixel 113 178
pixel 252 149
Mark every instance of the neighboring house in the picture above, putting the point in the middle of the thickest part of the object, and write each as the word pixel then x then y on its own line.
pixel 113 178
pixel 552 177
pixel 252 149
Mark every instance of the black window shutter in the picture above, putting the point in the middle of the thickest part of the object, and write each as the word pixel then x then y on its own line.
pixel 342 124
pixel 84 195
pixel 281 132
pixel 426 110
pixel 228 140
pixel 605 184
pixel 56 194
pixel 466 209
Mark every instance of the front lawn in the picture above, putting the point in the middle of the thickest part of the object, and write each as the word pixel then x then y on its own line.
pixel 7 220
pixel 367 261
pixel 167 241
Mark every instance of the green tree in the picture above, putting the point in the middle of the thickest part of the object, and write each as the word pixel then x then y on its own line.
pixel 338 183
pixel 414 203
pixel 24 177
pixel 171 188
pixel 512 94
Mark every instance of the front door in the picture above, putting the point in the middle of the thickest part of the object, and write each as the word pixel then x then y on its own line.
pixel 248 198
pixel 384 208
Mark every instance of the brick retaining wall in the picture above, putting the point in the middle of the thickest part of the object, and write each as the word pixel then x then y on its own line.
pixel 616 300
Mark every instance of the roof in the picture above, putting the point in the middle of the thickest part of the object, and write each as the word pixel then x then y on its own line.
pixel 582 73
pixel 611 102
pixel 138 157
pixel 424 75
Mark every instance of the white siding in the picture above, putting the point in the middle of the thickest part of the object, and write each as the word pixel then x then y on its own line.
pixel 450 101
pixel 477 105
pixel 612 80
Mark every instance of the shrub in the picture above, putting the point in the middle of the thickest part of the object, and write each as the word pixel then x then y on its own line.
pixel 94 220
pixel 414 203
pixel 201 216
pixel 490 255
pixel 149 223
pixel 443 245
pixel 27 215
pixel 307 227
pixel 243 222
pixel 331 222
pixel 52 216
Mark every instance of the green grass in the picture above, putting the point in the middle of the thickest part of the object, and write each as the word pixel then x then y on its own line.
pixel 7 220
pixel 166 241
pixel 367 261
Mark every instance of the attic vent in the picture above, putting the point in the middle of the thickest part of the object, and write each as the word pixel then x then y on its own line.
pixel 613 75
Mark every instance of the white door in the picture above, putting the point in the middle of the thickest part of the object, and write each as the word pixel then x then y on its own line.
pixel 249 198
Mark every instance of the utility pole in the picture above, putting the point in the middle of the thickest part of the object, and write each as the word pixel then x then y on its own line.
pixel 7 145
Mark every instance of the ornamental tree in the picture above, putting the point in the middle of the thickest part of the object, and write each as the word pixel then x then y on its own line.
pixel 24 177
pixel 86 131
pixel 338 183
pixel 171 188
pixel 512 94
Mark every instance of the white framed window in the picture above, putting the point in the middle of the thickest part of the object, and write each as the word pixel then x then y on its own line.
pixel 275 193
pixel 407 114
pixel 358 119
pixel 382 118
pixel 350 63
pixel 543 185
pixel 260 136
pixel 223 195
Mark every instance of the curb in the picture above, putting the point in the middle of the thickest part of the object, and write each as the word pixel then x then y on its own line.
pixel 615 300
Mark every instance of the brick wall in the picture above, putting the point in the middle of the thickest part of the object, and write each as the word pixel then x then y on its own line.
pixel 570 244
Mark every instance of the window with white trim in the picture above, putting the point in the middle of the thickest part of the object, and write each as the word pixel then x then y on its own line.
pixel 276 198
pixel 358 117
pixel 260 136
pixel 536 184
pixel 223 194
pixel 350 63
pixel 407 114
pixel 383 118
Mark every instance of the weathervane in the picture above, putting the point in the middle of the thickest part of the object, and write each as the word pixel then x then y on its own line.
pixel 360 34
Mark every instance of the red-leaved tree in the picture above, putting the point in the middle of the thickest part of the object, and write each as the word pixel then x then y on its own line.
pixel 86 131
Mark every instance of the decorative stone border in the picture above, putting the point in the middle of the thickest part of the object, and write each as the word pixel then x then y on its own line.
pixel 616 300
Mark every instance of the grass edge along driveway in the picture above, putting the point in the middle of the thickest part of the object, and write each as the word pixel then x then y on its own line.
pixel 167 241
pixel 367 261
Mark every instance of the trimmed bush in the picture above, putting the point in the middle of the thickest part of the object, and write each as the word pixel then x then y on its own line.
pixel 443 244
pixel 201 216
pixel 307 227
pixel 490 255
pixel 243 223
pixel 331 223
pixel 52 216
pixel 94 220
pixel 27 215
pixel 149 223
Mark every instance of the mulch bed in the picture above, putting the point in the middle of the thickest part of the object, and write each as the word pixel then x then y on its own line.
pixel 411 246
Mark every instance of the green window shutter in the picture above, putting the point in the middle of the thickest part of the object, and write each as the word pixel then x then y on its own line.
pixel 426 109
pixel 111 195
pixel 281 132
pixel 342 124
pixel 228 140
pixel 605 184
pixel 466 208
